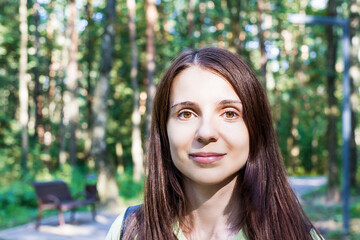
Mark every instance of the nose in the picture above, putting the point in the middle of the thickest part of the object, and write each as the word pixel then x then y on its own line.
pixel 207 131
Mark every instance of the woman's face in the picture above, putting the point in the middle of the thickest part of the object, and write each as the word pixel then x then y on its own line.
pixel 209 141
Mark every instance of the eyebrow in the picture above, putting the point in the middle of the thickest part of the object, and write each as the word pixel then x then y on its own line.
pixel 226 102
pixel 189 103
pixel 186 103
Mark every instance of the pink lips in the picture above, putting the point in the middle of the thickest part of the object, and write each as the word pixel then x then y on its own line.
pixel 206 157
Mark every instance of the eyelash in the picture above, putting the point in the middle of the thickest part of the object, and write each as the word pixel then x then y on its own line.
pixel 181 114
pixel 233 112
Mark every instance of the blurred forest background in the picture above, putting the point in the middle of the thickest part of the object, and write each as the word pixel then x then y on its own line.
pixel 77 79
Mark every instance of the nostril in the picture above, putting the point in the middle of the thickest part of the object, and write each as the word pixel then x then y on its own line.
pixel 206 140
pixel 206 137
pixel 207 131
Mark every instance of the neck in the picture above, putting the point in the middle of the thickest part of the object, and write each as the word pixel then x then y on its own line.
pixel 210 210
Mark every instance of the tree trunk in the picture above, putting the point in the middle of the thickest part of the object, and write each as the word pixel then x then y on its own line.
pixel 89 58
pixel 64 118
pixel 62 130
pixel 50 101
pixel 151 17
pixel 355 47
pixel 71 105
pixel 353 146
pixel 136 147
pixel 23 89
pixel 163 23
pixel 293 143
pixel 234 8
pixel 190 20
pixel 39 128
pixel 107 186
pixel 333 178
pixel 263 61
pixel 276 108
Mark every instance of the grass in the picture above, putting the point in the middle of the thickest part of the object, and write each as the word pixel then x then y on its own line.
pixel 18 201
pixel 327 216
pixel 18 215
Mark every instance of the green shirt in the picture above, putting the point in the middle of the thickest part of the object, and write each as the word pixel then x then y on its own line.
pixel 180 235
pixel 114 232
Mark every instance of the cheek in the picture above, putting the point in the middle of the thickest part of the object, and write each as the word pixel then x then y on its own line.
pixel 180 136
pixel 237 137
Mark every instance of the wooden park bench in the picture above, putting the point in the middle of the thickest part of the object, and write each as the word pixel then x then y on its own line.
pixel 56 195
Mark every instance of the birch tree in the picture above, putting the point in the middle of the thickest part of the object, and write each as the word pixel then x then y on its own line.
pixel 107 186
pixel 64 118
pixel 136 144
pixel 23 89
pixel 354 77
pixel 89 58
pixel 151 18
pixel 71 105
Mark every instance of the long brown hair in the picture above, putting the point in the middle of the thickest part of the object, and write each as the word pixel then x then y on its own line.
pixel 270 209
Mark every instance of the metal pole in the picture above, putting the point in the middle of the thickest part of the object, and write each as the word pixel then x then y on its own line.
pixel 346 113
pixel 346 125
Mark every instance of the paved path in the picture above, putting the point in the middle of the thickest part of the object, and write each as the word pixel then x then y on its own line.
pixel 302 185
pixel 84 228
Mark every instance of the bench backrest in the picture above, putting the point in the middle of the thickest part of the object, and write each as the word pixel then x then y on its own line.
pixel 56 188
pixel 91 192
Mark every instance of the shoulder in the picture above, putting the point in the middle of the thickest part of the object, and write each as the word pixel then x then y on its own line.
pixel 315 235
pixel 115 229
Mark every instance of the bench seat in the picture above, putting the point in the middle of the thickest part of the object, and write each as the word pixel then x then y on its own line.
pixel 56 195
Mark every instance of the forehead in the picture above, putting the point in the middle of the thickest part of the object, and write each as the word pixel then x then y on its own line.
pixel 195 82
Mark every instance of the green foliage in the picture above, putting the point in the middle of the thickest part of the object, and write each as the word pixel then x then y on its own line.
pixel 17 193
pixel 128 189
pixel 17 203
pixel 320 211
pixel 355 209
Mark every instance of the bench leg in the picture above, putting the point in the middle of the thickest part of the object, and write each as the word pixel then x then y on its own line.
pixel 72 215
pixel 61 217
pixel 38 219
pixel 93 210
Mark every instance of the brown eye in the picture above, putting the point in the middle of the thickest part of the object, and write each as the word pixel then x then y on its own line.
pixel 230 115
pixel 186 115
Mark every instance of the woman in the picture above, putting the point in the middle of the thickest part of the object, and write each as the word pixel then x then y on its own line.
pixel 214 170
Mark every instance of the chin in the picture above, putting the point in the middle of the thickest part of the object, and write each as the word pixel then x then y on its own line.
pixel 209 180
